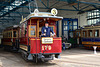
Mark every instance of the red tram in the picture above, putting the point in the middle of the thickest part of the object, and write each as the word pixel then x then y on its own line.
pixel 10 37
pixel 29 40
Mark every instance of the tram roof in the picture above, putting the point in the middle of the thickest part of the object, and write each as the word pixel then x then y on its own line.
pixel 90 27
pixel 41 15
pixel 12 27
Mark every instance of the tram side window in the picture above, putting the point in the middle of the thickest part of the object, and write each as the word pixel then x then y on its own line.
pixel 4 34
pixel 90 33
pixel 33 30
pixel 14 33
pixel 7 34
pixel 96 33
pixel 84 34
pixel 20 32
pixel 77 34
pixel 25 28
pixel 11 34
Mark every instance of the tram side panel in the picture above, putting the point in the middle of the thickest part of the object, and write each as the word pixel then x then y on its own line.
pixel 90 42
pixel 54 48
pixel 7 41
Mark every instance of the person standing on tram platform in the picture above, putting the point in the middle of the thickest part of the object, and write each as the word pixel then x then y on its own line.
pixel 46 30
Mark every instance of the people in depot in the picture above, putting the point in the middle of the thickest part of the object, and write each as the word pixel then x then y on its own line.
pixel 47 31
pixel 63 45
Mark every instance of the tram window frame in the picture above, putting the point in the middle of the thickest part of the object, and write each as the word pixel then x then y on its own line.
pixel 77 34
pixel 25 29
pixel 20 32
pixel 14 34
pixel 3 34
pixel 89 33
pixel 97 33
pixel 85 33
pixel 11 34
pixel 30 30
pixel 8 34
pixel 52 27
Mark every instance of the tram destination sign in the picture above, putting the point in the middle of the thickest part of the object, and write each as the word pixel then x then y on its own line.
pixel 47 40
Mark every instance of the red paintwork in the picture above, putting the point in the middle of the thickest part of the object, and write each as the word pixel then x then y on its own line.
pixel 55 47
pixel 7 39
pixel 24 41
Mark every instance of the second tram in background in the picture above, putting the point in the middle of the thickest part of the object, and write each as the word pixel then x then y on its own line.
pixel 89 36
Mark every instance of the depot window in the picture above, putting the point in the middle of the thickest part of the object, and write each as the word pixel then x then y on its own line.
pixel 93 17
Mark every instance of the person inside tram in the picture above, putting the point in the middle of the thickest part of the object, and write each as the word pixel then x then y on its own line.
pixel 46 30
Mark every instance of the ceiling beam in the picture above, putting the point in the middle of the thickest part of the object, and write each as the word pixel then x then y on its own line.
pixel 14 9
pixel 88 3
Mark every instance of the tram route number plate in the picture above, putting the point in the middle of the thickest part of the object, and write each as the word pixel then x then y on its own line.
pixel 47 40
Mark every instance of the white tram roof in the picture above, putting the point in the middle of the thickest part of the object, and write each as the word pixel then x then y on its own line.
pixel 40 15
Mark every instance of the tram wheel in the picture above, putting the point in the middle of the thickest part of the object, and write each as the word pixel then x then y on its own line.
pixel 24 56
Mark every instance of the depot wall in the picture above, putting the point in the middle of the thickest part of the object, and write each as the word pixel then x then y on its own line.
pixel 82 20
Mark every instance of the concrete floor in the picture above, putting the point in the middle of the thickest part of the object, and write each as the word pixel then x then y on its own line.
pixel 75 57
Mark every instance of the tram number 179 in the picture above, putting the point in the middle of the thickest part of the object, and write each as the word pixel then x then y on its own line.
pixel 46 47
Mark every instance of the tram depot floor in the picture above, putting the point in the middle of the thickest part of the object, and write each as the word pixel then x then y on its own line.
pixel 75 57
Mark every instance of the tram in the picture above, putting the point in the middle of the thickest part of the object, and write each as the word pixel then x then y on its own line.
pixel 77 35
pixel 30 43
pixel 89 36
pixel 10 38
